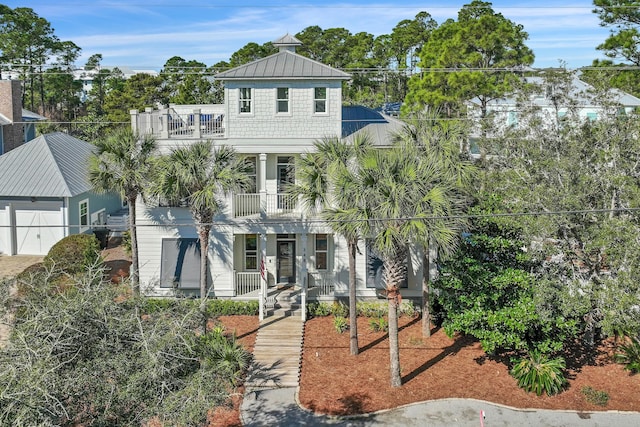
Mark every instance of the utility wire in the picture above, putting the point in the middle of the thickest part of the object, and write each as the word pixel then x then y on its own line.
pixel 294 221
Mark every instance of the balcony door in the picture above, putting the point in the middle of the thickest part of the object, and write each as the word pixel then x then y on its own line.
pixel 286 259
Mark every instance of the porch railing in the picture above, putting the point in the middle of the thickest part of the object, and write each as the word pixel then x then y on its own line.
pixel 206 121
pixel 264 203
pixel 247 282
pixel 321 283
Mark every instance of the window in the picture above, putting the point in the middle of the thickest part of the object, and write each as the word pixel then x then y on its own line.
pixel 375 269
pixel 512 119
pixel 180 263
pixel 84 215
pixel 251 252
pixel 320 100
pixel 592 116
pixel 245 99
pixel 321 251
pixel 282 100
pixel 252 188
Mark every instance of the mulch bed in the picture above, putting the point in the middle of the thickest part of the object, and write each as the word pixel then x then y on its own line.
pixel 333 382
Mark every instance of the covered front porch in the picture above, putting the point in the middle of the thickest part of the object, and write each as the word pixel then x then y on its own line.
pixel 266 264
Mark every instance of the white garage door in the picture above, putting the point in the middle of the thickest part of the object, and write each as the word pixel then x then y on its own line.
pixel 38 229
pixel 5 230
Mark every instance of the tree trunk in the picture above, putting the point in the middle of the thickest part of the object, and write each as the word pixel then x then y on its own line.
pixel 426 311
pixel 203 234
pixel 394 350
pixel 133 233
pixel 353 314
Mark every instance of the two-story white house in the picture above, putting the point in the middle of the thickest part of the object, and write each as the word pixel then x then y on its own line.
pixel 275 109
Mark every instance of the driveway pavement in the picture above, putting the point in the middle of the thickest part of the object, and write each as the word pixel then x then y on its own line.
pixel 279 407
pixel 12 265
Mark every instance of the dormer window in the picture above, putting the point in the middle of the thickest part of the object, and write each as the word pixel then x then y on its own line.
pixel 245 100
pixel 320 100
pixel 282 102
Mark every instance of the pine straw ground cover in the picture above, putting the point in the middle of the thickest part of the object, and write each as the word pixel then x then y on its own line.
pixel 333 382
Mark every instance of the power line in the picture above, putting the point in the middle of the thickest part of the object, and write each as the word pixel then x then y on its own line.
pixel 303 221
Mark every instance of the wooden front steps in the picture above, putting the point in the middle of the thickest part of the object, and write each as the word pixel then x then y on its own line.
pixel 278 347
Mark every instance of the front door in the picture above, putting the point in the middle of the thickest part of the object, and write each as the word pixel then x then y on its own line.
pixel 286 260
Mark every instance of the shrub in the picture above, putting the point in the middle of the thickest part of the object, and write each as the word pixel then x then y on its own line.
pixel 85 358
pixel 379 324
pixel 540 374
pixel 408 309
pixel 126 242
pixel 597 397
pixel 318 309
pixel 340 324
pixel 372 308
pixel 226 307
pixel 339 309
pixel 74 254
pixel 630 355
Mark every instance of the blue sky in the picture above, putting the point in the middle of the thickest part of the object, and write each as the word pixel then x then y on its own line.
pixel 145 33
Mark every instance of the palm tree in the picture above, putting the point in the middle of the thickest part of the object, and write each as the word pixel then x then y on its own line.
pixel 200 174
pixel 407 190
pixel 319 174
pixel 441 141
pixel 122 164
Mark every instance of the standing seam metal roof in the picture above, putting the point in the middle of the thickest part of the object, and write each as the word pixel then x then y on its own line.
pixel 52 165
pixel 283 65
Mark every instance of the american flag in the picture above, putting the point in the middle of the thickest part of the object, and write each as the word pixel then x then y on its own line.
pixel 263 272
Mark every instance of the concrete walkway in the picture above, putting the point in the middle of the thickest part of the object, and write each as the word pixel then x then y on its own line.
pixel 280 407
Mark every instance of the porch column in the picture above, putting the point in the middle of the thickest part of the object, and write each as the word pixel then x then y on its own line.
pixel 262 184
pixel 264 277
pixel 304 273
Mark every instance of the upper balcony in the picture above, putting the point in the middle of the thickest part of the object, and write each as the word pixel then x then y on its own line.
pixel 181 122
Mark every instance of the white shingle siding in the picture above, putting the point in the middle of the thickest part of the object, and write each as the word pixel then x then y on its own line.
pixel 301 121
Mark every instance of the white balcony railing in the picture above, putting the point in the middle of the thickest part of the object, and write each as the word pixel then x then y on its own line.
pixel 321 283
pixel 204 121
pixel 265 204
pixel 247 282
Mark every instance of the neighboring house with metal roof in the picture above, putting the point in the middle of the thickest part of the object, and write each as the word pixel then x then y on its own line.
pixel 550 102
pixel 275 109
pixel 45 194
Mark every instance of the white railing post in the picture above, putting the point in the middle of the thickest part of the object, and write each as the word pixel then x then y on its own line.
pixel 263 276
pixel 197 132
pixel 304 273
pixel 164 115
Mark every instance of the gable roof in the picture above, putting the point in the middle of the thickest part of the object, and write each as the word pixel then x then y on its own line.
pixel 381 128
pixel 284 65
pixel 30 116
pixel 51 165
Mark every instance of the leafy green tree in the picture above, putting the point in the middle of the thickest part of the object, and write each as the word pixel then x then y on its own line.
pixel 491 290
pixel 251 52
pixel 137 92
pixel 319 174
pixel 469 58
pixel 122 165
pixel 200 174
pixel 605 72
pixel 585 167
pixel 61 89
pixel 27 41
pixel 624 17
pixel 187 81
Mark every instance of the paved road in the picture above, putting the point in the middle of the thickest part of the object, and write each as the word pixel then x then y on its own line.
pixel 279 407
